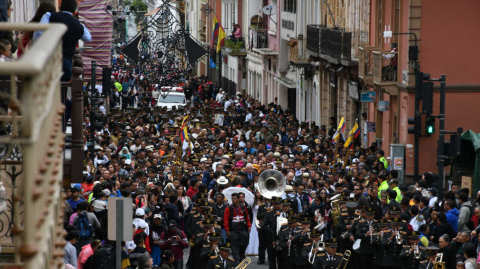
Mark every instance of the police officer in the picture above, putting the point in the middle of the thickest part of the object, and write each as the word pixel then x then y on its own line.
pixel 330 259
pixel 395 213
pixel 309 251
pixel 364 232
pixel 408 255
pixel 222 261
pixel 281 249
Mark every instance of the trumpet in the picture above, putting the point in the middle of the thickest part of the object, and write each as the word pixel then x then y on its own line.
pixel 398 238
pixel 216 250
pixel 381 235
pixel 416 253
pixel 289 245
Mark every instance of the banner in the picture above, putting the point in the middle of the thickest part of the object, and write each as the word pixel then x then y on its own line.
pixel 100 24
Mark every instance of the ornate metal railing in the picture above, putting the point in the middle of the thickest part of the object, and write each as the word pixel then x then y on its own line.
pixel 385 67
pixel 31 154
pixel 257 38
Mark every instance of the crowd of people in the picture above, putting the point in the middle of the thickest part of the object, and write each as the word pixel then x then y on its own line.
pixel 206 205
pixel 339 207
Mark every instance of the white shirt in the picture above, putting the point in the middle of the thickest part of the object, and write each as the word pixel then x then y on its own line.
pixel 248 118
pixel 99 88
pixel 219 97
pixel 227 104
pixel 103 110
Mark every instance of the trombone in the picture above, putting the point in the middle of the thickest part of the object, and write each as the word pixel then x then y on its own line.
pixel 345 258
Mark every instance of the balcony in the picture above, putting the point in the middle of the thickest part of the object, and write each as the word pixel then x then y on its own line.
pixel 313 39
pixel 365 64
pixel 297 51
pixel 257 39
pixel 340 47
pixel 31 151
pixel 234 48
pixel 385 68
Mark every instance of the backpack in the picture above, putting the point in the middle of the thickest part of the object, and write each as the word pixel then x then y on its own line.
pixel 470 225
pixel 84 227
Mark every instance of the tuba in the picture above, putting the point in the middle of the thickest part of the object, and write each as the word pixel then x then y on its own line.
pixel 271 183
pixel 335 209
pixel 244 263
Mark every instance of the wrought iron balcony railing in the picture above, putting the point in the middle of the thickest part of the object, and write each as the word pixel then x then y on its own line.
pixel 313 38
pixel 257 38
pixel 385 67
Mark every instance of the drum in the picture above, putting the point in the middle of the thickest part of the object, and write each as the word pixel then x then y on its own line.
pixel 356 245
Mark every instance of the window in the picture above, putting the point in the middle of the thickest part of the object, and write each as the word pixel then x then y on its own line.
pixel 290 6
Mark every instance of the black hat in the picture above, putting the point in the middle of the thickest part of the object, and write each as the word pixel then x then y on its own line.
pixel 286 202
pixel 292 219
pixel 276 200
pixel 214 236
pixel 208 223
pixel 225 247
pixel 413 235
pixel 197 173
pixel 172 223
pixel 331 243
pixel 305 220
pixel 315 233
pixel 382 223
pixel 205 205
pixel 432 250
pixel 395 210
pixel 396 221
pixel 370 211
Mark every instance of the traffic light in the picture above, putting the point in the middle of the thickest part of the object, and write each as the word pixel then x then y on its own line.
pixel 419 78
pixel 416 129
pixel 427 97
pixel 429 124
pixel 96 121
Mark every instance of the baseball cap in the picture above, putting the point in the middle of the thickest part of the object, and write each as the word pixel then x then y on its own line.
pixel 139 212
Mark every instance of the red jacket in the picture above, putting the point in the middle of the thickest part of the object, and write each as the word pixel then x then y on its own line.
pixel 175 246
pixel 147 241
pixel 226 218
pixel 191 192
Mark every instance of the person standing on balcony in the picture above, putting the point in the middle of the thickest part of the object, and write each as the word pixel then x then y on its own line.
pixel 75 31
pixel 238 33
pixel 390 71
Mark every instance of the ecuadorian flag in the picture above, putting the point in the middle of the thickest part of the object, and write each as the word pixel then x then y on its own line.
pixel 218 34
pixel 340 130
pixel 355 131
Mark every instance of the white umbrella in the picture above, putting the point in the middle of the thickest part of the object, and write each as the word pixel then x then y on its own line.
pixel 249 198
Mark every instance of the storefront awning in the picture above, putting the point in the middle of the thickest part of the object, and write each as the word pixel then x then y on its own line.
pixel 289 80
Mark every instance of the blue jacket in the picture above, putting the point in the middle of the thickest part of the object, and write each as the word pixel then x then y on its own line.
pixel 452 218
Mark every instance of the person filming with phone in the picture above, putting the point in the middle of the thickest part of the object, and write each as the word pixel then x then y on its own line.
pixel 175 241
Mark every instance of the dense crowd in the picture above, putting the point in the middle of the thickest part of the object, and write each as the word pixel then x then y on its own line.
pixel 349 208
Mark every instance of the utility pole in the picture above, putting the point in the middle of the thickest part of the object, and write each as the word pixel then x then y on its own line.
pixel 92 112
pixel 441 137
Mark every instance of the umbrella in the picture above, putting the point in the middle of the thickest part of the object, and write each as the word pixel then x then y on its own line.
pixel 249 198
